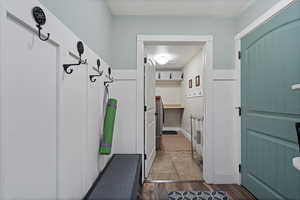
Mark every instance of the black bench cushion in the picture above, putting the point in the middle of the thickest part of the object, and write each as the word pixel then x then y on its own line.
pixel 120 180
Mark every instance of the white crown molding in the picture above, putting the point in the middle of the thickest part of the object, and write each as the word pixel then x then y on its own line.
pixel 219 8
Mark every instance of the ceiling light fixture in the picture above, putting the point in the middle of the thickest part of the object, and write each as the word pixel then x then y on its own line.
pixel 162 59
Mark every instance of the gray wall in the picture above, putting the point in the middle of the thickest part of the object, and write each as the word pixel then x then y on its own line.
pixel 125 29
pixel 114 37
pixel 258 8
pixel 90 20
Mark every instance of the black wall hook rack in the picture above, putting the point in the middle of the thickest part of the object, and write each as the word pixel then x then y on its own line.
pixel 93 77
pixel 40 18
pixel 110 78
pixel 80 49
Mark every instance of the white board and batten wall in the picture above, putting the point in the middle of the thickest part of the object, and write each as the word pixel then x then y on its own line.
pixel 224 139
pixel 51 121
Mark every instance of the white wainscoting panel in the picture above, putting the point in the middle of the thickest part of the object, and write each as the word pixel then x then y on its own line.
pixel 224 111
pixel 72 137
pixel 124 90
pixel 50 121
pixel 28 114
pixel 95 94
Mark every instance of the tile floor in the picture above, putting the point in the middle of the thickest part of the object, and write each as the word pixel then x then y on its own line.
pixel 174 161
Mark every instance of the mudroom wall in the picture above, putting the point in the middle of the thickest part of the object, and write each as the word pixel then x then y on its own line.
pixel 192 100
pixel 94 26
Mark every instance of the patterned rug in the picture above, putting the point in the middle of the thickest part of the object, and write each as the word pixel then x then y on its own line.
pixel 197 195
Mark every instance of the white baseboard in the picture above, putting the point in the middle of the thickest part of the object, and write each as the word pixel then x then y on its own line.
pixel 186 134
pixel 225 179
pixel 171 128
pixel 183 131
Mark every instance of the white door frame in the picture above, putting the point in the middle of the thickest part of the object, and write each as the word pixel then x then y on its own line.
pixel 255 24
pixel 208 151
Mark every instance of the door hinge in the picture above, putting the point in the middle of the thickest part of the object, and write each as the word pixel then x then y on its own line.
pixel 145 156
pixel 145 60
pixel 239 110
pixel 239 55
pixel 298 133
pixel 240 168
pixel 145 108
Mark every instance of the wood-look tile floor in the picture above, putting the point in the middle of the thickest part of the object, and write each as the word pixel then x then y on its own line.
pixel 174 161
pixel 157 191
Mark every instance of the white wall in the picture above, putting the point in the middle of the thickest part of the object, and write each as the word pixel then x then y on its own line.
pixel 170 91
pixel 225 167
pixel 53 152
pixel 192 105
pixel 125 141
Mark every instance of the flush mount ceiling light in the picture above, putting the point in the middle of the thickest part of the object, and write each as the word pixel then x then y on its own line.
pixel 162 59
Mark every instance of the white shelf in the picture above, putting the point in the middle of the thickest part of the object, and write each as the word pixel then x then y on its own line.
pixel 173 106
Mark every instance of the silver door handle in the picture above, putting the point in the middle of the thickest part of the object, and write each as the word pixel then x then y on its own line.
pixel 296 87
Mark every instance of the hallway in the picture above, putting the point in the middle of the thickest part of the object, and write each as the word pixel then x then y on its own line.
pixel 174 160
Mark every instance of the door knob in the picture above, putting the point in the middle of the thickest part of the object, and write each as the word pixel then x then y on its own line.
pixel 296 87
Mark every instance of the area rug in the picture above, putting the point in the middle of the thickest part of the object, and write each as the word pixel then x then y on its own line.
pixel 198 195
pixel 169 132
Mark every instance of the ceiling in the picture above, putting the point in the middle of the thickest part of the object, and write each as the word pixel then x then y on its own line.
pixel 225 8
pixel 180 54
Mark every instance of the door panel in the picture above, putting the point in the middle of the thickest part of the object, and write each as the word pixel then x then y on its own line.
pixel 150 123
pixel 270 66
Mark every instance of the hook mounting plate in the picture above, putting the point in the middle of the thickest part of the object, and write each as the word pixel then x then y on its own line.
pixel 80 48
pixel 39 16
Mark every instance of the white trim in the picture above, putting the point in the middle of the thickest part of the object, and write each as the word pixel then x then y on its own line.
pixel 140 104
pixel 2 138
pixel 237 103
pixel 174 38
pixel 208 150
pixel 265 17
pixel 186 134
pixel 237 75
pixel 223 75
pixel 124 74
pixel 151 158
pixel 225 178
pixel 171 128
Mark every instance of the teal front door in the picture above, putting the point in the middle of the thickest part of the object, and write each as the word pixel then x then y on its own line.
pixel 270 66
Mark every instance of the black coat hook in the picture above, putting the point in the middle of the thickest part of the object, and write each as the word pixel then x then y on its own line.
pixel 80 49
pixel 93 77
pixel 110 78
pixel 40 18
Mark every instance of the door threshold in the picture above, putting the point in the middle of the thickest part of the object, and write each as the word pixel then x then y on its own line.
pixel 173 181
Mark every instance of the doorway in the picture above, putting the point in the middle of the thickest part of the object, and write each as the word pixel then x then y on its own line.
pixel 182 145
